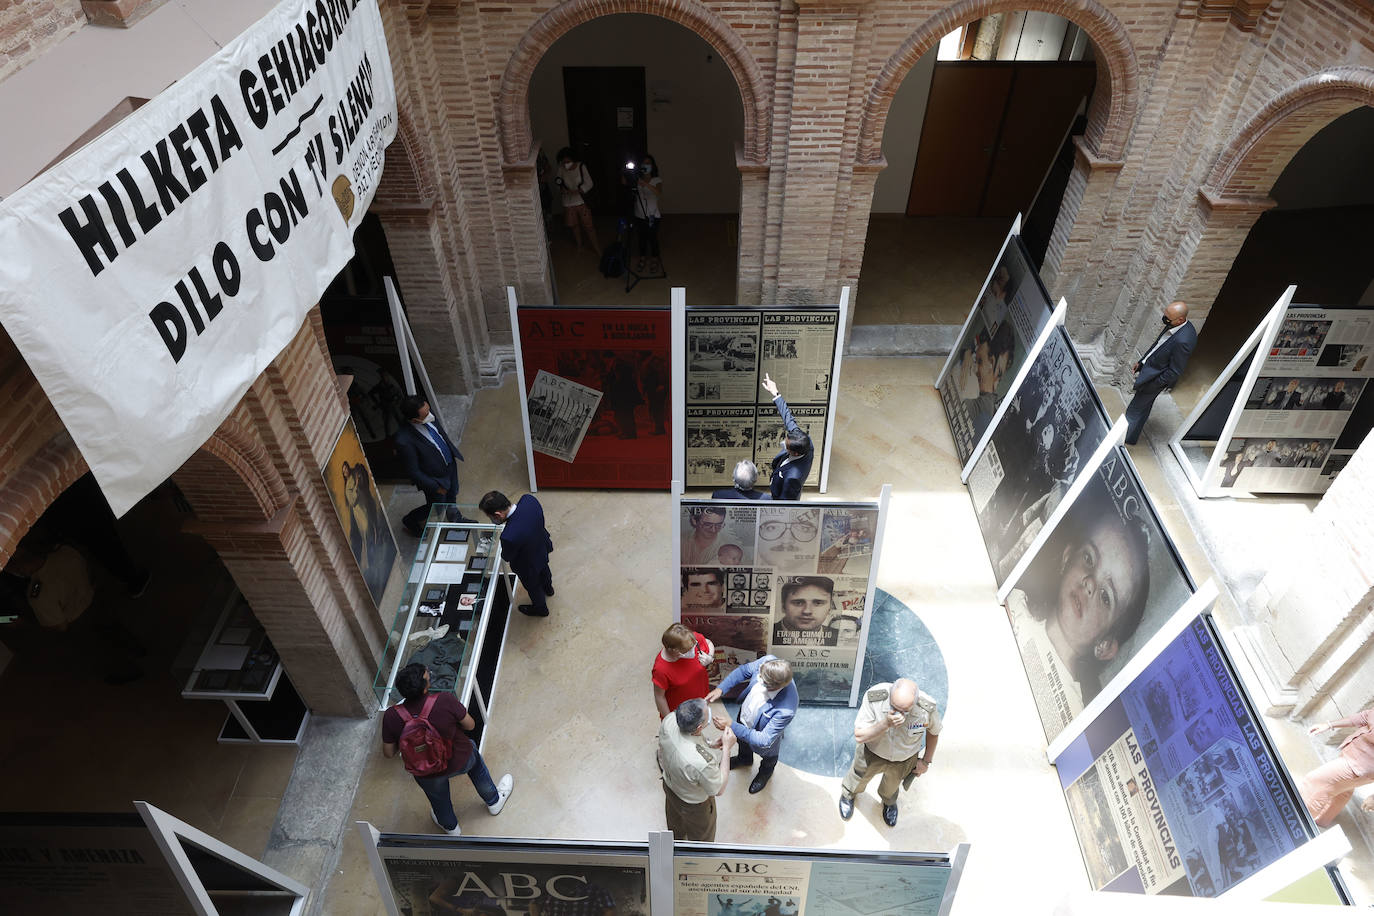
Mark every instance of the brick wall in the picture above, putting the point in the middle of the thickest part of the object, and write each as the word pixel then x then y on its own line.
pixel 30 27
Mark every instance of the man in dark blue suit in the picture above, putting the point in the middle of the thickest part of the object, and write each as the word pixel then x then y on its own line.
pixel 792 465
pixel 1160 367
pixel 768 703
pixel 430 459
pixel 746 475
pixel 525 544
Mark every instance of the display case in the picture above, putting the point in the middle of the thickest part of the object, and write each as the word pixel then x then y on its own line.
pixel 238 665
pixel 453 613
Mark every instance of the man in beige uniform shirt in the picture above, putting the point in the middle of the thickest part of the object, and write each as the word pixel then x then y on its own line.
pixel 897 729
pixel 694 772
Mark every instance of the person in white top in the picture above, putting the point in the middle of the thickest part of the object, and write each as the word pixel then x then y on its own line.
pixel 648 188
pixel 573 181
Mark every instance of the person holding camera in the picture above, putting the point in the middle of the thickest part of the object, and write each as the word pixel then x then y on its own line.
pixel 647 188
pixel 573 181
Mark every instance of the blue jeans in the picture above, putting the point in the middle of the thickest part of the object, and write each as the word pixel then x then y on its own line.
pixel 436 787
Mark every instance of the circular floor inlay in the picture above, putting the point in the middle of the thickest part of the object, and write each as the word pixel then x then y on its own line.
pixel 820 739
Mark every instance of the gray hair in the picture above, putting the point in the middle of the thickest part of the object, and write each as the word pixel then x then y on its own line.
pixel 691 715
pixel 746 474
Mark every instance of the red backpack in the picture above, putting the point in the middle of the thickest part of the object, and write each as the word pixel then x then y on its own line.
pixel 424 751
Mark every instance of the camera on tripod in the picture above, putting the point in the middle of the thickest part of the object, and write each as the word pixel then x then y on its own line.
pixel 632 168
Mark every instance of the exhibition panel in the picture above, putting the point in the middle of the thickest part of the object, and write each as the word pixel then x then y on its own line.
pixel 1293 416
pixel 597 384
pixel 999 332
pixel 787 579
pixel 491 875
pixel 1106 577
pixel 729 415
pixel 1053 424
pixel 1175 788
pixel 754 882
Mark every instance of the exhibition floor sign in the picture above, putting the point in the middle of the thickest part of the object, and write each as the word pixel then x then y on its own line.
pixel 1303 404
pixel 729 414
pixel 149 278
pixel 1004 323
pixel 1174 788
pixel 597 395
pixel 1053 424
pixel 1104 578
pixel 790 579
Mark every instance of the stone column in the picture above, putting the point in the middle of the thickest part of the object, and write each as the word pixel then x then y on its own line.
pixel 1224 222
pixel 753 222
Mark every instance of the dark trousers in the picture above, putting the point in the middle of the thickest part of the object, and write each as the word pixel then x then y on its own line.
pixel 745 754
pixel 415 519
pixel 539 586
pixel 1138 411
pixel 436 787
pixel 647 231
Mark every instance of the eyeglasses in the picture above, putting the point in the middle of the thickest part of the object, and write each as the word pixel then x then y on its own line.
pixel 710 526
pixel 800 529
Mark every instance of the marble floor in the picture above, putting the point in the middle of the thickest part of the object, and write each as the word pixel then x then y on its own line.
pixel 573 718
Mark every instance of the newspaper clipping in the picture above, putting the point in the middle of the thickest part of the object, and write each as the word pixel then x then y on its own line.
pixel 560 412
pixel 529 884
pixel 1104 581
pixel 1300 424
pixel 598 395
pixel 1050 430
pixel 796 886
pixel 729 415
pixel 1180 794
pixel 786 580
pixel 1006 321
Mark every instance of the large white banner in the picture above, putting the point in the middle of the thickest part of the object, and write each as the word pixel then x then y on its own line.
pixel 149 278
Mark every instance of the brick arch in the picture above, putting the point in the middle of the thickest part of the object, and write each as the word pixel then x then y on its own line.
pixel 247 456
pixel 28 491
pixel 515 82
pixel 405 181
pixel 1261 149
pixel 1111 114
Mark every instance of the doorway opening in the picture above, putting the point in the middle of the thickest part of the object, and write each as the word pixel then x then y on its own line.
pixel 614 91
pixel 981 129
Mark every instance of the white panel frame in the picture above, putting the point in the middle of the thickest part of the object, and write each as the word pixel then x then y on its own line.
pixel 1328 847
pixel 949 360
pixel 1104 448
pixel 514 306
pixel 1056 321
pixel 409 349
pixel 834 387
pixel 884 498
pixel 1262 340
pixel 1200 602
pixel 678 366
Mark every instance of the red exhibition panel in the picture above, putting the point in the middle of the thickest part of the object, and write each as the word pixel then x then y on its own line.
pixel 598 383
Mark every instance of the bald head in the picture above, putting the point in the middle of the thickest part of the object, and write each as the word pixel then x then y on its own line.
pixel 903 695
pixel 1176 312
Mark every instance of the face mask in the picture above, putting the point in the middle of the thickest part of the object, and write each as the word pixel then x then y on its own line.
pixel 430 419
pixel 1167 322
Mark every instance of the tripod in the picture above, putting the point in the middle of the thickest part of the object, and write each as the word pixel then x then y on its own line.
pixel 628 237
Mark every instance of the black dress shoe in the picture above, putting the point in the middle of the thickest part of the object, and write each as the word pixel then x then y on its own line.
pixel 549 591
pixel 737 761
pixel 846 807
pixel 890 815
pixel 530 610
pixel 759 782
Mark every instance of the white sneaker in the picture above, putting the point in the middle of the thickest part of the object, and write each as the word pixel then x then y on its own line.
pixel 503 790
pixel 457 828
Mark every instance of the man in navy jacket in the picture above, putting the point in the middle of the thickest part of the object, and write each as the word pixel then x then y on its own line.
pixel 792 465
pixel 525 545
pixel 430 459
pixel 767 704
pixel 1160 367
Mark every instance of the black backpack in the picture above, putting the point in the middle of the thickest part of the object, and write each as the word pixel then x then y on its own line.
pixel 613 260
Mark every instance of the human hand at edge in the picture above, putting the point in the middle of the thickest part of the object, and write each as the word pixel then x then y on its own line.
pixel 713 696
pixel 1319 728
pixel 769 385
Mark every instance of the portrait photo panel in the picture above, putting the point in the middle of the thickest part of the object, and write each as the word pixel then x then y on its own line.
pixel 1105 580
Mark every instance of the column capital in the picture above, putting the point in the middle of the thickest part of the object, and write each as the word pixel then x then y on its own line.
pixel 1089 159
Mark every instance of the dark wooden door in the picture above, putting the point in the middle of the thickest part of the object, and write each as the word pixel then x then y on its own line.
pixel 958 137
pixel 1044 100
pixel 605 107
pixel 991 132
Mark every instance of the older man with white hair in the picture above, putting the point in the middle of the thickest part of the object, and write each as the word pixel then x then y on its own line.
pixel 746 476
pixel 897 729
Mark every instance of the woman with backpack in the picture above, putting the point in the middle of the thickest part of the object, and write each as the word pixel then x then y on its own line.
pixel 427 731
